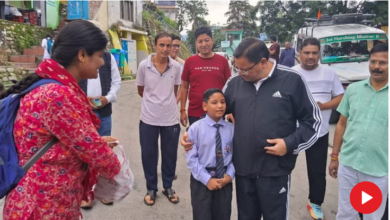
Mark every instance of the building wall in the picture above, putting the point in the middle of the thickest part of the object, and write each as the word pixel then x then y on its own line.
pixel 101 15
pixel 114 14
pixel 94 8
pixel 52 13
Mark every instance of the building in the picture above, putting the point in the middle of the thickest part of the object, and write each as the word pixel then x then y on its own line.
pixel 233 38
pixel 118 19
pixel 169 8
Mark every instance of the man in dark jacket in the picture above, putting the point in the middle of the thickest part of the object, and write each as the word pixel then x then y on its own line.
pixel 267 100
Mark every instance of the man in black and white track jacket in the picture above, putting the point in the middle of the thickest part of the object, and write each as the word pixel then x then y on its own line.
pixel 267 100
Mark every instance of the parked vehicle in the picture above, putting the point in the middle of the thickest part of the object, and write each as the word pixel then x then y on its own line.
pixel 345 41
pixel 224 54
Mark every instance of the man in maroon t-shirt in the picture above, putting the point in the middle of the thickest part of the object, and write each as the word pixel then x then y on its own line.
pixel 274 49
pixel 201 72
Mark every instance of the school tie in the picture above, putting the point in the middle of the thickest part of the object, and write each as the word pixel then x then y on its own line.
pixel 220 171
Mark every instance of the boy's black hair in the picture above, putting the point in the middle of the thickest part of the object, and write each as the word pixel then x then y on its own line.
pixel 209 93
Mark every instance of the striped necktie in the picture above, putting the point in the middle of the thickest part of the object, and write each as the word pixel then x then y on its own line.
pixel 220 171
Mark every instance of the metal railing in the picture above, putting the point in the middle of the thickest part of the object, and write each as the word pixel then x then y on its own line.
pixel 167 27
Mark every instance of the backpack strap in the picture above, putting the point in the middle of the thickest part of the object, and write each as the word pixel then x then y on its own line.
pixel 38 83
pixel 39 154
pixel 49 144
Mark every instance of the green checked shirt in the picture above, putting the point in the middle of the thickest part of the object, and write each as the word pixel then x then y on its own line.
pixel 365 141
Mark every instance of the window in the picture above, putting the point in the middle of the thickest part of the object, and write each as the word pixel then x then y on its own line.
pixel 236 37
pixel 299 44
pixel 127 10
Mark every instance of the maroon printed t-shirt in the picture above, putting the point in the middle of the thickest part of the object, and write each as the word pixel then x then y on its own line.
pixel 202 74
pixel 275 47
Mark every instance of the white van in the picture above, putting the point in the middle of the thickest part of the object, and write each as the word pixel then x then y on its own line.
pixel 345 44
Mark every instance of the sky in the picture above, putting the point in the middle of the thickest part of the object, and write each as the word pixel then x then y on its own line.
pixel 217 10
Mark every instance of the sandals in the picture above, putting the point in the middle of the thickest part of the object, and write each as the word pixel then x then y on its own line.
pixel 170 194
pixel 86 205
pixel 106 202
pixel 152 194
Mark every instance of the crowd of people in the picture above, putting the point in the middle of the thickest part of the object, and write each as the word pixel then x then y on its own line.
pixel 249 126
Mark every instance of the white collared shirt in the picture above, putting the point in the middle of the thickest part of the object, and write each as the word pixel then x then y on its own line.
pixel 95 88
pixel 258 84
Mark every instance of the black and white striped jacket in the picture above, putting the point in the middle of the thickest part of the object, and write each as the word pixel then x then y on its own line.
pixel 269 113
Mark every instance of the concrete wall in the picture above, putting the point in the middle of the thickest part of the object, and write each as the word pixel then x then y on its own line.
pixel 94 7
pixel 101 15
pixel 114 9
pixel 21 34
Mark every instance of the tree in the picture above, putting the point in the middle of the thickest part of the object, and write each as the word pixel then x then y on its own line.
pixel 218 37
pixel 239 18
pixel 191 12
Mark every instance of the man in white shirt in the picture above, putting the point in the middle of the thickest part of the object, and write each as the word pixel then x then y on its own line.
pixel 327 91
pixel 47 44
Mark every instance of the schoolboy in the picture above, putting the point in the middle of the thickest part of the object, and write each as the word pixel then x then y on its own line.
pixel 210 160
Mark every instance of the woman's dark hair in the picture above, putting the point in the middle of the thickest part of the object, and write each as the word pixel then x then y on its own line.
pixel 273 38
pixel 2 88
pixel 209 93
pixel 161 35
pixel 310 41
pixel 175 37
pixel 75 36
pixel 21 85
pixel 203 30
pixel 48 36
pixel 381 47
pixel 252 49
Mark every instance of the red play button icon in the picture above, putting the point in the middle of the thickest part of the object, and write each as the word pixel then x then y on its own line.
pixel 366 197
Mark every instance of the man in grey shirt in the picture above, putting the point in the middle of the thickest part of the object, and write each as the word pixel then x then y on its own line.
pixel 158 79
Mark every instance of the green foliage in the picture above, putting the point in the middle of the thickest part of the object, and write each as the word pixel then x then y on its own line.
pixel 218 37
pixel 25 35
pixel 191 40
pixel 239 17
pixel 146 15
pixel 157 26
pixel 192 12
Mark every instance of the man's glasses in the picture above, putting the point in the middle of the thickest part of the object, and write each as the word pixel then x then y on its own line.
pixel 380 63
pixel 176 45
pixel 244 72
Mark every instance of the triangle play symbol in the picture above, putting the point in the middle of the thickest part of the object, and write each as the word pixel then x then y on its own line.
pixel 365 197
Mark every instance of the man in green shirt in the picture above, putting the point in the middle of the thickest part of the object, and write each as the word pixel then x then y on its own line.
pixel 361 136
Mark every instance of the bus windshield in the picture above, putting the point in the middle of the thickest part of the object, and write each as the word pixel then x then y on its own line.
pixel 348 48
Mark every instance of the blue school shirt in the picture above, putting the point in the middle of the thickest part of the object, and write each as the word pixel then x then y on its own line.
pixel 202 155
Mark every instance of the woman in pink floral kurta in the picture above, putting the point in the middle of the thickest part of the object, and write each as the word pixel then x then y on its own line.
pixel 54 186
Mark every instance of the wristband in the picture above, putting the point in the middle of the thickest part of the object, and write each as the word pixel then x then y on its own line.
pixel 334 158
pixel 182 110
pixel 334 154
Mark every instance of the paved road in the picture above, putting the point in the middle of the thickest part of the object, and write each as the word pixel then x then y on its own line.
pixel 126 121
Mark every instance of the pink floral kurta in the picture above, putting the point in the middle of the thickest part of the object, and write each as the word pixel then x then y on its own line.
pixel 52 188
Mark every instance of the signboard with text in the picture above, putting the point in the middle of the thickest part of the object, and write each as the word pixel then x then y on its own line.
pixel 225 43
pixel 354 37
pixel 166 3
